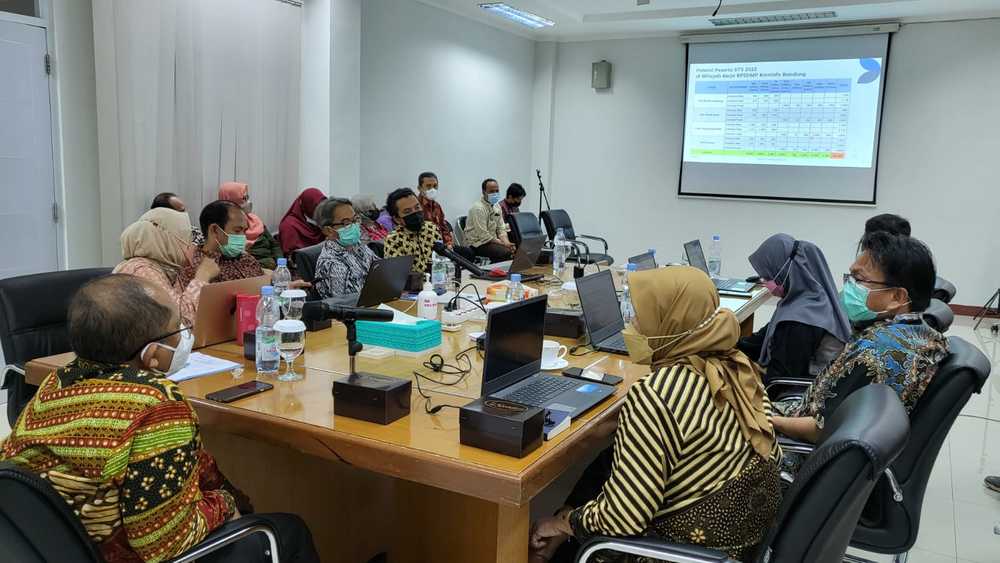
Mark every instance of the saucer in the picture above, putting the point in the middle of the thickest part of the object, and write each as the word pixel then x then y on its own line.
pixel 559 364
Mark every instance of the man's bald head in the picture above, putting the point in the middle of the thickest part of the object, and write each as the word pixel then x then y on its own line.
pixel 113 317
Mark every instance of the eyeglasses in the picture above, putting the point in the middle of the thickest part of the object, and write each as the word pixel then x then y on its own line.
pixel 346 223
pixel 864 281
pixel 161 338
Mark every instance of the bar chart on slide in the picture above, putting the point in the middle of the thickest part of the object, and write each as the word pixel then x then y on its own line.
pixel 771 119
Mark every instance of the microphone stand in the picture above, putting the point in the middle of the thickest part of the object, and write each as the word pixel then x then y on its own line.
pixel 353 347
pixel 542 195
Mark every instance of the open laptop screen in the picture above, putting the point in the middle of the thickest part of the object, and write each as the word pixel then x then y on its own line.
pixel 514 335
pixel 644 261
pixel 695 255
pixel 599 302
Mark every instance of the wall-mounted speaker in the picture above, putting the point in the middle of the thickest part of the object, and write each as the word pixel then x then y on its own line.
pixel 600 75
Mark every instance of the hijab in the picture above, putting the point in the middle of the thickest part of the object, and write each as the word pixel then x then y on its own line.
pixel 295 230
pixel 675 300
pixel 236 192
pixel 162 235
pixel 810 293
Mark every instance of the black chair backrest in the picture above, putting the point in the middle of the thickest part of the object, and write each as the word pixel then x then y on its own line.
pixel 939 315
pixel 305 261
pixel 944 290
pixel 376 246
pixel 36 524
pixel 819 512
pixel 33 312
pixel 556 219
pixel 461 221
pixel 888 526
pixel 524 225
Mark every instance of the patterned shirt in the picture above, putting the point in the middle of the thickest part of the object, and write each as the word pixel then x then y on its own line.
pixel 186 295
pixel 121 446
pixel 420 245
pixel 484 224
pixel 242 267
pixel 434 213
pixel 342 270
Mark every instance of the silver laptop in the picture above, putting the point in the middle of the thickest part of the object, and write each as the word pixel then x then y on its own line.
pixel 696 257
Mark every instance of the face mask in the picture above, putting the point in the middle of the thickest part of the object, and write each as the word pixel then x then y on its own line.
pixel 181 352
pixel 373 214
pixel 431 194
pixel 414 221
pixel 494 198
pixel 854 298
pixel 234 245
pixel 641 352
pixel 773 286
pixel 311 222
pixel 349 235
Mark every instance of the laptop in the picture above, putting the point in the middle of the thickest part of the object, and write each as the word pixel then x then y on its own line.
pixel 215 320
pixel 511 369
pixel 524 259
pixel 696 257
pixel 385 281
pixel 644 261
pixel 602 312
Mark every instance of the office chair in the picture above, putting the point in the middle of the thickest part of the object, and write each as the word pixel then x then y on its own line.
pixel 818 513
pixel 33 325
pixel 38 526
pixel 376 246
pixel 524 225
pixel 556 219
pixel 944 290
pixel 939 315
pixel 305 265
pixel 460 231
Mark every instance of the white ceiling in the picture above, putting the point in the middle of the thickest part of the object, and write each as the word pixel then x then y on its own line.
pixel 588 19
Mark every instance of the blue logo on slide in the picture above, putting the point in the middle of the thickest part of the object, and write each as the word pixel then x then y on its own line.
pixel 873 68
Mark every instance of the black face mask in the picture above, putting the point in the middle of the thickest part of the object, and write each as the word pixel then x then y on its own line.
pixel 373 214
pixel 414 221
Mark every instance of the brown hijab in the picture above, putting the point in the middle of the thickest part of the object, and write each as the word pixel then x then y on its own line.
pixel 672 301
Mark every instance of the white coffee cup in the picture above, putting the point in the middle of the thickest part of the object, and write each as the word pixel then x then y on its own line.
pixel 552 352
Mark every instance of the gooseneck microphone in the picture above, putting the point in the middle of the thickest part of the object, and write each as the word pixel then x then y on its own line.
pixel 457 258
pixel 321 311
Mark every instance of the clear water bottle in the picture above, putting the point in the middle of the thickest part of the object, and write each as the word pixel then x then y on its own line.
pixel 268 357
pixel 439 273
pixel 450 275
pixel 280 279
pixel 560 252
pixel 515 291
pixel 715 256
pixel 628 311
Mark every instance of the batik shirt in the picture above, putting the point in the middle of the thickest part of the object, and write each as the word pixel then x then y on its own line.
pixel 902 352
pixel 122 448
pixel 341 270
pixel 419 245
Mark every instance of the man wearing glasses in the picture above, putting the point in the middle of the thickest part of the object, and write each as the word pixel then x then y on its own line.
pixel 344 261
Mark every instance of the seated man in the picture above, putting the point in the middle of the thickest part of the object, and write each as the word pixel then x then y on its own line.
pixel 144 488
pixel 890 284
pixel 412 236
pixel 485 230
pixel 345 260
pixel 427 188
pixel 170 200
pixel 511 204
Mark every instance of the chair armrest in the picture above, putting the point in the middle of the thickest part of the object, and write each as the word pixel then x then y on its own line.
pixel 789 445
pixel 231 532
pixel 599 239
pixel 575 243
pixel 10 367
pixel 788 382
pixel 651 548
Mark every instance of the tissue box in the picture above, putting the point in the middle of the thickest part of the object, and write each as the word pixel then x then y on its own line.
pixel 422 335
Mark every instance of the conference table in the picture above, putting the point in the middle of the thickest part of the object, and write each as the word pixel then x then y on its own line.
pixel 408 489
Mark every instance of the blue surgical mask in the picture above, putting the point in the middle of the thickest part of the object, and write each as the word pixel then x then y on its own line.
pixel 349 235
pixel 854 297
pixel 494 198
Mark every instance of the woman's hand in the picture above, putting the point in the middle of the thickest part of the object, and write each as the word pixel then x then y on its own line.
pixel 208 269
pixel 551 531
pixel 299 284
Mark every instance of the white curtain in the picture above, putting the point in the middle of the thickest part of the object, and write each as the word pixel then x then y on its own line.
pixel 192 93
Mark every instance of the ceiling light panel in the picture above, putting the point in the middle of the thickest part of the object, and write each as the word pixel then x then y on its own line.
pixel 521 17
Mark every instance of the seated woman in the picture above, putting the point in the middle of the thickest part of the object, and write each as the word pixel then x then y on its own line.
pixel 156 248
pixel 891 283
pixel 297 228
pixel 368 212
pixel 345 259
pixel 224 225
pixel 694 458
pixel 261 244
pixel 809 327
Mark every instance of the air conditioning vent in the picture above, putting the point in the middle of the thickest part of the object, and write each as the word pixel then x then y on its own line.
pixel 778 18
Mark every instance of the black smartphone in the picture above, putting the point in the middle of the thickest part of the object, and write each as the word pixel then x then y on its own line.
pixel 237 392
pixel 577 373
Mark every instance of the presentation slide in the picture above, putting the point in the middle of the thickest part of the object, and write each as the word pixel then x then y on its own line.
pixel 798 113
pixel 789 119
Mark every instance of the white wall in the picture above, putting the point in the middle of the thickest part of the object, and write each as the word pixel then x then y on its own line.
pixel 616 156
pixel 440 92
pixel 314 121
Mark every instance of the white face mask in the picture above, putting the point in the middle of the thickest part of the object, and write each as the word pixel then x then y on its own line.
pixel 181 353
pixel 311 222
pixel 431 194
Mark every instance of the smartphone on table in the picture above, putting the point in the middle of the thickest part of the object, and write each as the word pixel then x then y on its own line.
pixel 237 392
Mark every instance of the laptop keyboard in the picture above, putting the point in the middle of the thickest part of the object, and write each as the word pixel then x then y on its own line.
pixel 539 391
pixel 727 284
pixel 616 342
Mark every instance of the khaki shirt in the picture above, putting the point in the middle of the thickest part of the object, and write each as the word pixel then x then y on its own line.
pixel 484 224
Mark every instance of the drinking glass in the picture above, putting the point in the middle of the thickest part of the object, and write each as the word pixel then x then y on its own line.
pixel 291 343
pixel 292 301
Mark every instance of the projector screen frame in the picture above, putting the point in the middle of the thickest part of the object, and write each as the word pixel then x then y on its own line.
pixel 771 199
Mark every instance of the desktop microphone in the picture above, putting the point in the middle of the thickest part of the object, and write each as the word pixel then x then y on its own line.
pixel 321 311
pixel 457 258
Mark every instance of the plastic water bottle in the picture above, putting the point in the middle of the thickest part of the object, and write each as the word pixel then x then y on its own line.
pixel 280 279
pixel 715 256
pixel 560 252
pixel 515 291
pixel 439 273
pixel 267 354
pixel 450 275
pixel 628 311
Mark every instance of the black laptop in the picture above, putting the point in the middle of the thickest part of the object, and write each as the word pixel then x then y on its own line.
pixel 644 261
pixel 511 370
pixel 385 281
pixel 524 259
pixel 696 257
pixel 602 312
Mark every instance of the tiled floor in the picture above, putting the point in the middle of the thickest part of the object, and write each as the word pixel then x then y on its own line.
pixel 957 525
